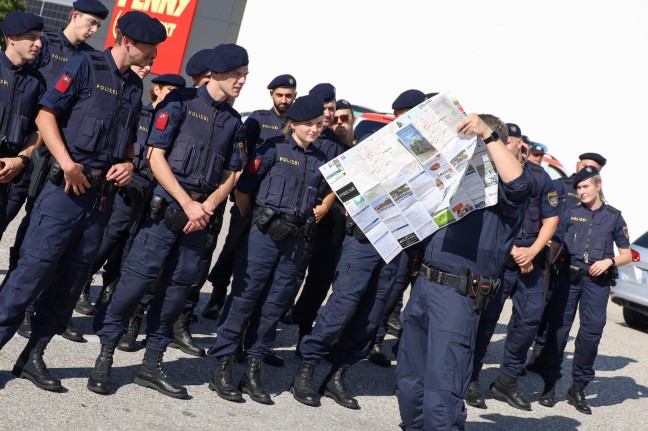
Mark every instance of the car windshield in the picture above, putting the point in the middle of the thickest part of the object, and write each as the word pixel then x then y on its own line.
pixel 642 241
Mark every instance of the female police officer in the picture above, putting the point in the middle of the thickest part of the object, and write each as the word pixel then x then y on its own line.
pixel 591 229
pixel 266 268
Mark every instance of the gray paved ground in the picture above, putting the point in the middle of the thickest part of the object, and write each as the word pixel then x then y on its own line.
pixel 618 396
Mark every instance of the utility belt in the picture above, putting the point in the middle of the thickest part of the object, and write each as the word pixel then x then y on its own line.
pixel 279 226
pixel 481 289
pixel 96 178
pixel 175 219
pixel 540 260
pixel 576 273
pixel 353 230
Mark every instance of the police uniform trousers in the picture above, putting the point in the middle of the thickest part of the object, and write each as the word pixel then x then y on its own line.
pixel 321 270
pixel 435 357
pixel 590 297
pixel 527 293
pixel 265 276
pixel 60 245
pixel 352 313
pixel 552 283
pixel 401 281
pixel 155 250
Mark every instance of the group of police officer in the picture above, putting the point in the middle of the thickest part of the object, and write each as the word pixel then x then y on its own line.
pixel 142 190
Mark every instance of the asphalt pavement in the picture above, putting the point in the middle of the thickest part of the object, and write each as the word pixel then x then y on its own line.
pixel 618 396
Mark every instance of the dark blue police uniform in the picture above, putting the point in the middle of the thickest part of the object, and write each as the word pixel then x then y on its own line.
pixel 526 290
pixel 436 349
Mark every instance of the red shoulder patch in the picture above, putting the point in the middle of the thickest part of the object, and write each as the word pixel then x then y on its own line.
pixel 162 120
pixel 253 165
pixel 63 83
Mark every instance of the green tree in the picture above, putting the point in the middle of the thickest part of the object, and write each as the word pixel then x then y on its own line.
pixel 7 6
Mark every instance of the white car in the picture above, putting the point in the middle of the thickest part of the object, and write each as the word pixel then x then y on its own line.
pixel 631 291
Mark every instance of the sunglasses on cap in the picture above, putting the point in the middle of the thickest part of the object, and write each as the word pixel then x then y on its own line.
pixel 344 118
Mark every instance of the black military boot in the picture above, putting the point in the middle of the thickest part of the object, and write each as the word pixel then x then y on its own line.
pixel 83 305
pixel 128 341
pixel 151 375
pixel 105 294
pixel 548 397
pixel 251 383
pixel 474 396
pixel 222 382
pixel 30 365
pixel 576 397
pixel 99 381
pixel 505 388
pixel 182 338
pixel 377 356
pixel 533 364
pixel 334 387
pixel 302 387
pixel 26 326
pixel 73 334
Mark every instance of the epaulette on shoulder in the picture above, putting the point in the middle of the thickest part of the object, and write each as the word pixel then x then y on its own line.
pixel 613 210
pixel 263 112
pixel 576 206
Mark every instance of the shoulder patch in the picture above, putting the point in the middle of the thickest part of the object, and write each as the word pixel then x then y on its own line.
pixel 162 120
pixel 625 232
pixel 253 165
pixel 552 197
pixel 63 83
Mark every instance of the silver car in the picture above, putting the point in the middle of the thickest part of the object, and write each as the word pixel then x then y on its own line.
pixel 631 291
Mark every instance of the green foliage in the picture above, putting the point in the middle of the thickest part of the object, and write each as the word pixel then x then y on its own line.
pixel 7 6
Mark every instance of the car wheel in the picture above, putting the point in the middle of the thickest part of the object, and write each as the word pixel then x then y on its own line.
pixel 634 319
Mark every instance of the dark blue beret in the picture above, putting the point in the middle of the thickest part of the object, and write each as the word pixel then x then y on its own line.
pixel 594 156
pixel 514 130
pixel 305 108
pixel 199 62
pixel 142 28
pixel 171 79
pixel 408 99
pixel 584 174
pixel 324 91
pixel 93 7
pixel 343 104
pixel 284 81
pixel 16 23
pixel 430 95
pixel 228 56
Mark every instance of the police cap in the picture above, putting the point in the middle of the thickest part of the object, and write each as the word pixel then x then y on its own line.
pixel 199 62
pixel 142 28
pixel 584 174
pixel 305 108
pixel 537 149
pixel 525 139
pixel 16 23
pixel 343 104
pixel 228 56
pixel 93 7
pixel 595 157
pixel 171 79
pixel 283 81
pixel 324 91
pixel 514 130
pixel 408 99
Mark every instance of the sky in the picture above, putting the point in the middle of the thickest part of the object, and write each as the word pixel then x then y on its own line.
pixel 571 74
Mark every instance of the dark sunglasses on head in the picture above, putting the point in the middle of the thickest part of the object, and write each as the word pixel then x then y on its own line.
pixel 345 118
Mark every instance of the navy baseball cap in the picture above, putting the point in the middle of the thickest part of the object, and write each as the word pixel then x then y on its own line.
pixel 537 149
pixel 525 139
pixel 586 173
pixel 514 130
pixel 595 157
pixel 228 56
pixel 199 62
pixel 93 7
pixel 283 81
pixel 305 108
pixel 17 22
pixel 343 104
pixel 408 99
pixel 171 79
pixel 142 28
pixel 324 91
pixel 430 95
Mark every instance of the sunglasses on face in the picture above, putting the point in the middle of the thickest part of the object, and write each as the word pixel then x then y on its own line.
pixel 344 118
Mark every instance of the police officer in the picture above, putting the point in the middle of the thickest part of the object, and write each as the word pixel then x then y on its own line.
pixel 192 153
pixel 523 281
pixel 267 264
pixel 460 261
pixel 536 153
pixel 21 86
pixel 129 198
pixel 260 126
pixel 591 229
pixel 343 121
pixel 198 67
pixel 96 101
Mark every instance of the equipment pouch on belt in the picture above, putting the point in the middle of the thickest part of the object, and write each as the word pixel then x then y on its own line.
pixel 308 229
pixel 55 173
pixel 279 229
pixel 138 197
pixel 175 219
pixel 156 208
pixel 613 274
pixel 40 170
pixel 263 216
pixel 575 274
pixel 415 254
pixel 485 290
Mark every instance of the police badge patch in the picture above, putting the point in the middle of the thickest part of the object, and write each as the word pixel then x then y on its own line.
pixel 63 83
pixel 553 199
pixel 162 120
pixel 625 232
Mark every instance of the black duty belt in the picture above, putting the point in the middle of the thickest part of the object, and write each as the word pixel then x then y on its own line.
pixel 198 197
pixel 466 287
pixel 298 220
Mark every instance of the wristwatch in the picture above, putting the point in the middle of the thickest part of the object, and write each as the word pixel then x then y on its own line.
pixel 613 261
pixel 25 160
pixel 493 137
